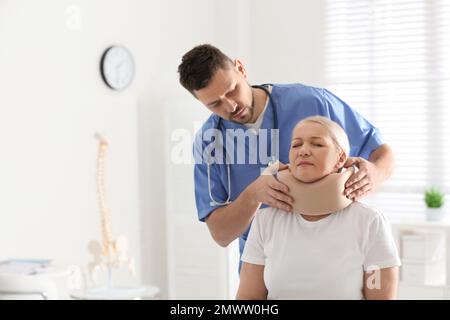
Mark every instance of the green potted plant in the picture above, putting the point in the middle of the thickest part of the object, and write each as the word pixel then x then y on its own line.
pixel 434 200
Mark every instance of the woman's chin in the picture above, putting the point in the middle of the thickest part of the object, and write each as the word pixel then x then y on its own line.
pixel 307 178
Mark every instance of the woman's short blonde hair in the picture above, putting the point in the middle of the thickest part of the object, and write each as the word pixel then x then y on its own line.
pixel 336 132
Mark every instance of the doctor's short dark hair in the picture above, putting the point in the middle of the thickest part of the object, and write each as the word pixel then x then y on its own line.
pixel 199 65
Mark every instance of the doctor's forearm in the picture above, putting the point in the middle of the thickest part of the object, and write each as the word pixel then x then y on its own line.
pixel 383 159
pixel 228 223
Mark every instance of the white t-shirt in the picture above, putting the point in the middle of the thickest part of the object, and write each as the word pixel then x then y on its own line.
pixel 257 124
pixel 322 259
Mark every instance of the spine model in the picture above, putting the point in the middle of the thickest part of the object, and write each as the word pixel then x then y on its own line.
pixel 110 253
pixel 105 216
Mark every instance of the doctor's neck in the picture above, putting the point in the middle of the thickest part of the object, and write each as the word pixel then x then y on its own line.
pixel 259 101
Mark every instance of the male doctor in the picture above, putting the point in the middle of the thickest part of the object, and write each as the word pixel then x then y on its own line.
pixel 220 84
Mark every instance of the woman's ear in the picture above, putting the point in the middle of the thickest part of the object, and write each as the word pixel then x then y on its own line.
pixel 341 161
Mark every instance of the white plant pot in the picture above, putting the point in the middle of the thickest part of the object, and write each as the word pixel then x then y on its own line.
pixel 434 214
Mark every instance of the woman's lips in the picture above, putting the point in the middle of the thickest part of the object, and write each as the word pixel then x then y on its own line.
pixel 305 163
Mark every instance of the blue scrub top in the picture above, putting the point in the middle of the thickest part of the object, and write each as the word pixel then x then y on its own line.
pixel 294 102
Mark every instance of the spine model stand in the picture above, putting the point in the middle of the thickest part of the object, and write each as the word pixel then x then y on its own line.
pixel 110 253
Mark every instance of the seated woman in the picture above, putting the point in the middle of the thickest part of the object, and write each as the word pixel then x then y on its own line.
pixel 347 254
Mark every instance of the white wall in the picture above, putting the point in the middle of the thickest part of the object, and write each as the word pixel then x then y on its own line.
pixel 51 103
pixel 287 41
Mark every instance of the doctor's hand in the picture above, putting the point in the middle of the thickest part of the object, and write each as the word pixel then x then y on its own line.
pixel 362 182
pixel 268 190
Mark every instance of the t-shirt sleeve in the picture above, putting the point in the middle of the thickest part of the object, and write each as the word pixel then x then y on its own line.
pixel 362 135
pixel 381 250
pixel 254 246
pixel 202 195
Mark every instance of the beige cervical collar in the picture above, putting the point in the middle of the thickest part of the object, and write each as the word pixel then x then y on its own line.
pixel 320 197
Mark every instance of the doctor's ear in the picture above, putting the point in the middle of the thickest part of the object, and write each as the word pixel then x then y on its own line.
pixel 240 67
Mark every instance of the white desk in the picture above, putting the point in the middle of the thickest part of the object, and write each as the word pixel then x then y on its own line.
pixel 52 284
pixel 117 293
pixel 423 291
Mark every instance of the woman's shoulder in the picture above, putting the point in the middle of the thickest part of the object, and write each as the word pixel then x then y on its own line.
pixel 363 211
pixel 272 215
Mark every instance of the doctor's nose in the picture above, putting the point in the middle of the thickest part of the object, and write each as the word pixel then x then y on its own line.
pixel 230 105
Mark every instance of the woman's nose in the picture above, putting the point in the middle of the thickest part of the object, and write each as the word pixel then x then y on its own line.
pixel 304 151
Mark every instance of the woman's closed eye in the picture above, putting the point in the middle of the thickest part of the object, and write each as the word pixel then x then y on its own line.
pixel 297 145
